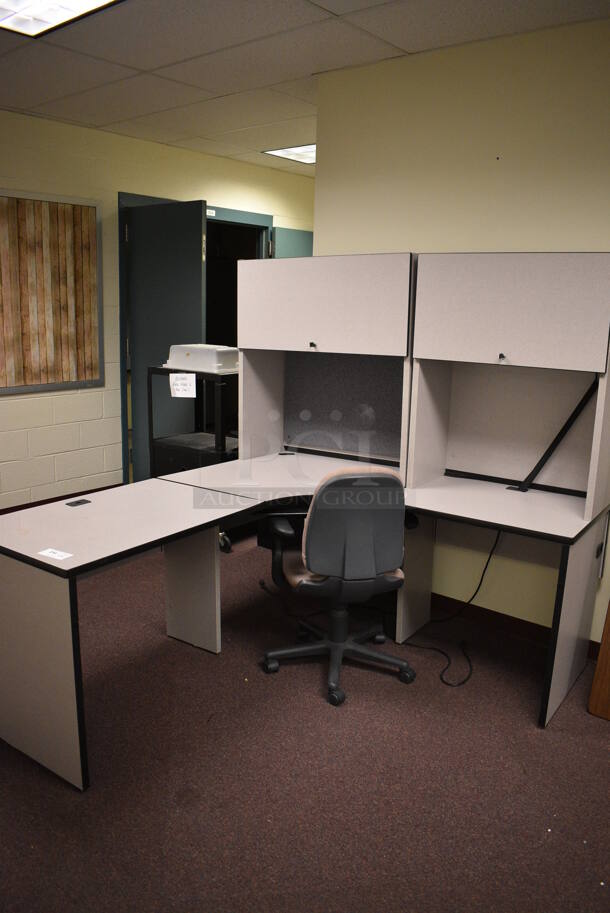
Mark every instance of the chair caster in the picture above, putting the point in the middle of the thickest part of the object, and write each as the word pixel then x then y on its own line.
pixel 379 639
pixel 224 543
pixel 407 676
pixel 270 665
pixel 336 696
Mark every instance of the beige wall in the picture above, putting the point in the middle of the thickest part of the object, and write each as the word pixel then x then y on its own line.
pixel 497 145
pixel 58 443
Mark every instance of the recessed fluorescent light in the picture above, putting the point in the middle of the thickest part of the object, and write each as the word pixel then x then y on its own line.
pixel 36 17
pixel 305 154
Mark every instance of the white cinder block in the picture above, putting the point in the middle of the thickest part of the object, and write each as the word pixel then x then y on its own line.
pixel 113 457
pixel 14 498
pixel 77 407
pixel 96 434
pixel 76 486
pixel 111 320
pixel 113 376
pixel 17 413
pixel 25 473
pixel 57 489
pixel 79 463
pixel 55 439
pixel 13 445
pixel 112 403
pixel 112 347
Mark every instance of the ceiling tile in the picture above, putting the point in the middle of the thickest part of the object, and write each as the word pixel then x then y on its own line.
pixel 347 6
pixel 311 49
pixel 209 146
pixel 306 89
pixel 143 94
pixel 38 73
pixel 219 115
pixel 279 164
pixel 155 133
pixel 298 131
pixel 152 33
pixel 420 25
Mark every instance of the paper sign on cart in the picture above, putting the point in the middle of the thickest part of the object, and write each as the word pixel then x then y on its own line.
pixel 182 385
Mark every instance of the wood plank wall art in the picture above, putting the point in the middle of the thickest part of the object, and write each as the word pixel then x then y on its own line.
pixel 49 323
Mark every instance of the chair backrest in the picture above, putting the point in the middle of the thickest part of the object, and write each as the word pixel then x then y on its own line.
pixel 355 525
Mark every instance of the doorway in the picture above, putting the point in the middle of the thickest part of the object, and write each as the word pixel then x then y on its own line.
pixel 226 243
pixel 228 236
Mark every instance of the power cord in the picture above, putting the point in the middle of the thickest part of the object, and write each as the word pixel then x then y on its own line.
pixel 434 621
pixel 463 645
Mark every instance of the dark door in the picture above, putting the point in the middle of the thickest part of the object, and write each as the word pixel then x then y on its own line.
pixel 165 305
pixel 227 242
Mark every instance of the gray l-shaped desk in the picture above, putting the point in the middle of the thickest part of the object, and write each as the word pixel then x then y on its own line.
pixel 45 550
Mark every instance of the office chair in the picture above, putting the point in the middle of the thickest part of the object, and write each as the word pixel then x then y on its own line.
pixel 352 550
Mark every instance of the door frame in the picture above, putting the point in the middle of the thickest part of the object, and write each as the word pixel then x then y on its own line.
pixel 126 201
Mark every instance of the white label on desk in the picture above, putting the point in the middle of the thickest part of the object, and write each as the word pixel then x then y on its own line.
pixel 182 385
pixel 55 553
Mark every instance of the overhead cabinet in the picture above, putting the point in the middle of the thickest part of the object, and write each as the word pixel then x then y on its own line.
pixel 347 304
pixel 539 410
pixel 534 310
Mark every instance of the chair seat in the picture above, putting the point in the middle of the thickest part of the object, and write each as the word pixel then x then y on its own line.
pixel 295 571
pixel 299 577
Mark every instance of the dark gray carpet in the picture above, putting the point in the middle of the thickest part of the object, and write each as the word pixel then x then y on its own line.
pixel 218 789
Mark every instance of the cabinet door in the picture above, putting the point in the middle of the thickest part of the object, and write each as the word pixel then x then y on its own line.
pixel 353 304
pixel 537 310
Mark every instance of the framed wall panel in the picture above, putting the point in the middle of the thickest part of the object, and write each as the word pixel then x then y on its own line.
pixel 51 334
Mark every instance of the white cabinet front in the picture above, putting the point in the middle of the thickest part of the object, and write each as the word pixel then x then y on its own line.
pixel 353 304
pixel 537 310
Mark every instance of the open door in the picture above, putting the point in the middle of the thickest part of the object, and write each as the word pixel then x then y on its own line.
pixel 165 297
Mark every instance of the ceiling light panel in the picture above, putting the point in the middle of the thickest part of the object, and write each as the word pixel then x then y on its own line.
pixel 36 17
pixel 304 154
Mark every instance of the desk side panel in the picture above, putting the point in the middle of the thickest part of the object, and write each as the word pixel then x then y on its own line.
pixel 192 569
pixel 38 680
pixel 413 599
pixel 572 622
pixel 261 403
pixel 598 488
pixel 429 421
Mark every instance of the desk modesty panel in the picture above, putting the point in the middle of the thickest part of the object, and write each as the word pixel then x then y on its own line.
pixel 107 525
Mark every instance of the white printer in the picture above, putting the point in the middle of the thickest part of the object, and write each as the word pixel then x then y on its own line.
pixel 203 357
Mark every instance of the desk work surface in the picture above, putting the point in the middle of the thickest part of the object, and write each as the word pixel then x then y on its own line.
pixel 114 521
pixel 272 477
pixel 542 513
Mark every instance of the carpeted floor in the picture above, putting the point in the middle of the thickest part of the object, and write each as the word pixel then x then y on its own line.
pixel 219 789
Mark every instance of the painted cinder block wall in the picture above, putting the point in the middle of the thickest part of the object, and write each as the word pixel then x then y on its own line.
pixel 58 443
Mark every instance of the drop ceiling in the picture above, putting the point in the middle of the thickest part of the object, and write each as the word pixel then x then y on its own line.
pixel 235 77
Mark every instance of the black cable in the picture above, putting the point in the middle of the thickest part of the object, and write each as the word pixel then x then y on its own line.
pixel 445 681
pixel 463 645
pixel 474 595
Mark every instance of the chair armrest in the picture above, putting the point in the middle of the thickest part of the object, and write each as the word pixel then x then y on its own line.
pixel 283 534
pixel 282 528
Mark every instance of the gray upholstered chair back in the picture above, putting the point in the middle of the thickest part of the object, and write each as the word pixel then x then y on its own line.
pixel 355 525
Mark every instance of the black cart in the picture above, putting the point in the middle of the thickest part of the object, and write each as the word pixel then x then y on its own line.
pixel 200 447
